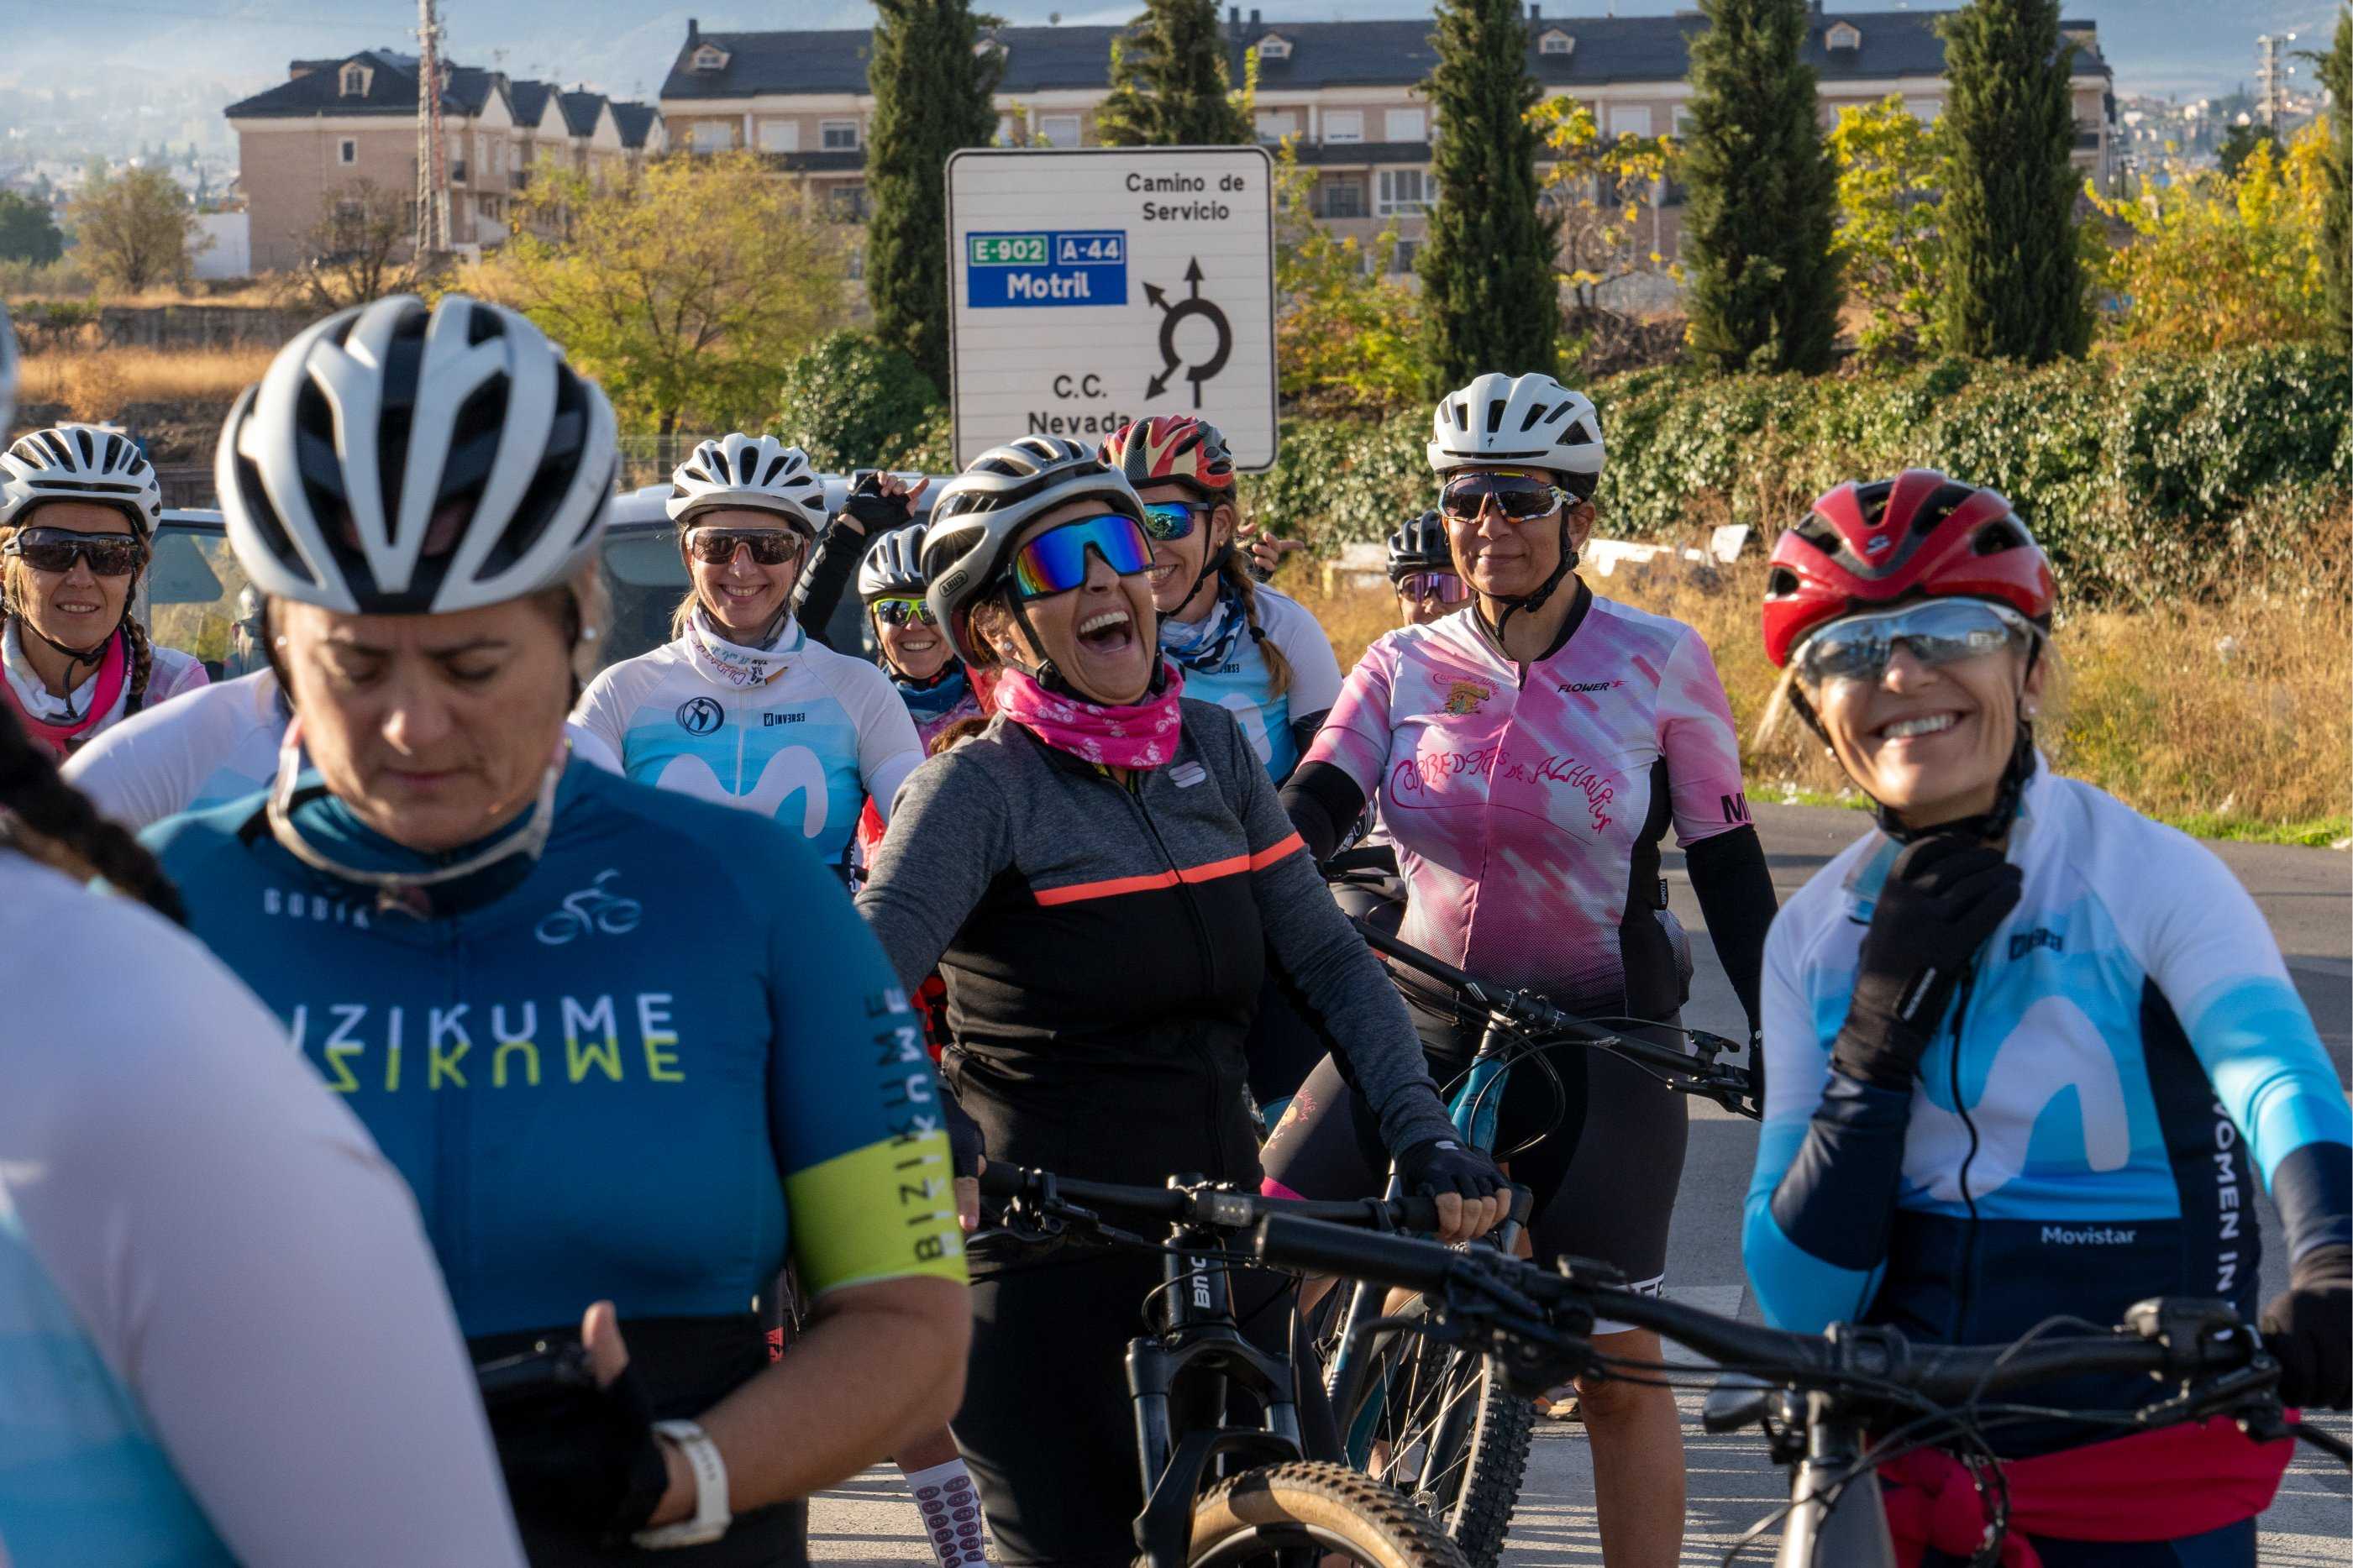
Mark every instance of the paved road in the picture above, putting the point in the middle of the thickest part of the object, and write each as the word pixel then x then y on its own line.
pixel 2308 896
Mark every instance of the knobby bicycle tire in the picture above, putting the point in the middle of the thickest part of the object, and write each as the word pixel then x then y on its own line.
pixel 1294 1512
pixel 1456 1435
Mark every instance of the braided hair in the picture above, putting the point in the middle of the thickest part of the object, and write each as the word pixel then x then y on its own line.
pixel 51 821
pixel 1232 573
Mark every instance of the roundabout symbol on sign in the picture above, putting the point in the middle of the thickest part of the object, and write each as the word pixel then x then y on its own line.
pixel 1191 305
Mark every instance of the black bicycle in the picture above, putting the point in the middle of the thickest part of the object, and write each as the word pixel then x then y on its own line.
pixel 1430 1415
pixel 1834 1405
pixel 1217 1493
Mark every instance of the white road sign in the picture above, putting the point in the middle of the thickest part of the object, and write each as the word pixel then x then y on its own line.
pixel 1095 286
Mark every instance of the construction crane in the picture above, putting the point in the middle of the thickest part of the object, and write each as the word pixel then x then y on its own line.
pixel 432 148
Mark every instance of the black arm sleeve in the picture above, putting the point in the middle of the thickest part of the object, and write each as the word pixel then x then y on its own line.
pixel 1303 734
pixel 1324 803
pixel 1736 896
pixel 827 578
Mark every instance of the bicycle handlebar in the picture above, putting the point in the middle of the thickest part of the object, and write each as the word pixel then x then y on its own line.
pixel 1217 1208
pixel 1730 1086
pixel 2165 1339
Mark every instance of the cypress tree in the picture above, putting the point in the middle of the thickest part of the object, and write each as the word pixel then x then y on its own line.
pixel 2013 279
pixel 931 95
pixel 2336 213
pixel 1762 277
pixel 1487 267
pixel 1170 84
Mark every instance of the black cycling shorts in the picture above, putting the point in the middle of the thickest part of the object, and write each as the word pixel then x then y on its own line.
pixel 1604 1177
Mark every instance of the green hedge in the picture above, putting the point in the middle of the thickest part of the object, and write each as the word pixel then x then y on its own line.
pixel 2133 474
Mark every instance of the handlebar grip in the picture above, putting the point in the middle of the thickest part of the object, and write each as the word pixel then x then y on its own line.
pixel 999 1180
pixel 1291 1242
pixel 1418 1213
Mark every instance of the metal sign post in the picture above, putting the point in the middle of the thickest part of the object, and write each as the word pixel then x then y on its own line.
pixel 1099 285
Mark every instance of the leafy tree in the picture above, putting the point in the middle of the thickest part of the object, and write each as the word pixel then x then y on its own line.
pixel 359 249
pixel 2014 281
pixel 2337 229
pixel 931 95
pixel 1604 193
pixel 1763 288
pixel 685 291
pixel 1889 208
pixel 2215 263
pixel 1489 298
pixel 2239 142
pixel 1169 82
pixel 27 232
pixel 850 401
pixel 1348 335
pixel 135 228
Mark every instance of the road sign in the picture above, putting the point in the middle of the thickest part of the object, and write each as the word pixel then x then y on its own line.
pixel 1094 286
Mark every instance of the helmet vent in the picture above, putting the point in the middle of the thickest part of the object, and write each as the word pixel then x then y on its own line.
pixel 1871 499
pixel 1580 433
pixel 1461 414
pixel 1947 500
pixel 1780 584
pixel 1495 407
pixel 1817 532
pixel 1995 537
pixel 1537 412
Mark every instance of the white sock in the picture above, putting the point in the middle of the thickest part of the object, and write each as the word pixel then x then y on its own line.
pixel 950 1508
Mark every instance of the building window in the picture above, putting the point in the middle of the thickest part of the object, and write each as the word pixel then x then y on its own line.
pixel 1059 130
pixel 780 136
pixel 1405 193
pixel 1344 125
pixel 1274 125
pixel 845 203
pixel 354 80
pixel 347 151
pixel 1405 125
pixel 1342 197
pixel 714 135
pixel 838 136
pixel 1009 131
pixel 710 57
pixel 1274 47
pixel 1843 35
pixel 1402 259
pixel 1555 42
pixel 1631 118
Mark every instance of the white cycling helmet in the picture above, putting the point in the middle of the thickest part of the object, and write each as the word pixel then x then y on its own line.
pixel 977 515
pixel 1530 419
pixel 893 565
pixel 81 462
pixel 401 460
pixel 7 374
pixel 756 471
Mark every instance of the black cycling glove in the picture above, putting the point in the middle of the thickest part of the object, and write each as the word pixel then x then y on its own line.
pixel 872 512
pixel 584 1460
pixel 1442 1166
pixel 2308 1328
pixel 1943 897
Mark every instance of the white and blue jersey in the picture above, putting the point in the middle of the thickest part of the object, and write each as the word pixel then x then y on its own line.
pixel 1224 664
pixel 806 741
pixel 2125 1057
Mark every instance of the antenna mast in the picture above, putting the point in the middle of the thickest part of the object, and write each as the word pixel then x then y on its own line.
pixel 432 148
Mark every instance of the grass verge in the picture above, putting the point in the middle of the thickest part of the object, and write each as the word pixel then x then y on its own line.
pixel 96 383
pixel 2227 714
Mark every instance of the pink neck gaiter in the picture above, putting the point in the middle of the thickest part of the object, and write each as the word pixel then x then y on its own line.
pixel 1140 736
pixel 61 736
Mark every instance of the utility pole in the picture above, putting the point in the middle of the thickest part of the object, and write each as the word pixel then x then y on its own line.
pixel 432 148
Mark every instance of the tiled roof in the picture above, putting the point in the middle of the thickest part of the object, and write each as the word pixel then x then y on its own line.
pixel 580 111
pixel 392 90
pixel 529 99
pixel 1323 54
pixel 636 121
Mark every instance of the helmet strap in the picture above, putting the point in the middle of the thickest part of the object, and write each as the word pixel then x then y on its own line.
pixel 1536 599
pixel 1045 674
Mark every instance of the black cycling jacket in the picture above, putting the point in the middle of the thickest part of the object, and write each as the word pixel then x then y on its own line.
pixel 1104 945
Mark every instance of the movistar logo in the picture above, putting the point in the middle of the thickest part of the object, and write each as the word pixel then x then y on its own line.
pixel 2089 1235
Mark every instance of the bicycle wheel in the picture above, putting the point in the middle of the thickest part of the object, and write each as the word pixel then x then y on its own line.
pixel 1296 1514
pixel 1441 1424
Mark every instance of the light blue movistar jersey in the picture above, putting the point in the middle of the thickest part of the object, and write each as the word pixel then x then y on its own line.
pixel 796 732
pixel 663 1054
pixel 2125 1058
pixel 1229 666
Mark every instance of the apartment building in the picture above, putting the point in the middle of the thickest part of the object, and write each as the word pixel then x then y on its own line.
pixel 1349 92
pixel 334 123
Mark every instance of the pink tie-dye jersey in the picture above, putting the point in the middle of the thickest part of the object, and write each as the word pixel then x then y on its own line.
pixel 1527 803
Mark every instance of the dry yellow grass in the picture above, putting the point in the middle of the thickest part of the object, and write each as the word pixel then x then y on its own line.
pixel 95 382
pixel 2231 716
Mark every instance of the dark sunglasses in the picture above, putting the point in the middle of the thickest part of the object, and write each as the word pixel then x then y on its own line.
pixel 1445 587
pixel 1521 497
pixel 899 612
pixel 1938 632
pixel 1171 520
pixel 1056 560
pixel 717 546
pixel 57 549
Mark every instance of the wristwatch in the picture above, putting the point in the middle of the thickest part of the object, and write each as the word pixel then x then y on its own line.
pixel 711 1513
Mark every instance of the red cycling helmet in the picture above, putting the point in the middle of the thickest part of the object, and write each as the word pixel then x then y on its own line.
pixel 1172 447
pixel 1916 536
